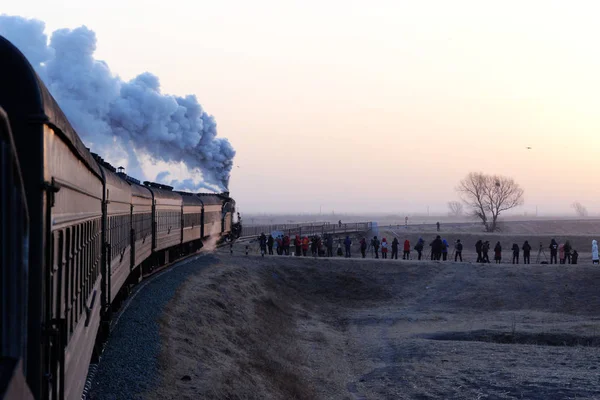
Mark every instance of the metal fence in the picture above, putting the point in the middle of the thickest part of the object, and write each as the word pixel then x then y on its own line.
pixel 307 229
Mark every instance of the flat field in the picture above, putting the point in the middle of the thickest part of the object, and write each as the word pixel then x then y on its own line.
pixel 313 328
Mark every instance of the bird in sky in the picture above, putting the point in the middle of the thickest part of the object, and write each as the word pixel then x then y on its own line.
pixel 528 148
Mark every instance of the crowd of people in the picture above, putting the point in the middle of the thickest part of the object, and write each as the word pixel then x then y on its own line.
pixel 319 247
pixel 323 247
pixel 560 253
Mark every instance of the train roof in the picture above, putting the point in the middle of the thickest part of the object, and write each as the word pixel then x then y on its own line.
pixel 114 179
pixel 24 95
pixel 162 191
pixel 189 199
pixel 139 190
pixel 210 198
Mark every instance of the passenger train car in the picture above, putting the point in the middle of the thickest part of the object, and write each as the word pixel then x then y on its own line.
pixel 75 235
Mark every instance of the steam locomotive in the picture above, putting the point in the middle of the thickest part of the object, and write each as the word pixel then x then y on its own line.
pixel 75 235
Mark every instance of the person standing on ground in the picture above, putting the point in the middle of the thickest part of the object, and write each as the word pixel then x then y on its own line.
pixel 485 248
pixel 313 246
pixel 262 240
pixel 298 245
pixel 278 245
pixel 438 226
pixel 320 251
pixel 568 249
pixel 445 249
pixel 498 253
pixel 526 252
pixel 553 251
pixel 561 253
pixel 340 223
pixel 305 244
pixel 595 258
pixel 384 248
pixel 419 248
pixel 375 244
pixel 270 242
pixel 348 245
pixel 436 248
pixel 575 257
pixel 406 252
pixel 339 250
pixel 478 249
pixel 395 244
pixel 458 251
pixel 363 247
pixel 515 249
pixel 329 245
pixel 286 245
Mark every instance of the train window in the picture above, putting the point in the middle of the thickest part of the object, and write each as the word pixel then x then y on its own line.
pixel 72 250
pixel 86 262
pixel 66 274
pixel 80 266
pixel 119 236
pixel 76 272
pixel 191 220
pixel 60 257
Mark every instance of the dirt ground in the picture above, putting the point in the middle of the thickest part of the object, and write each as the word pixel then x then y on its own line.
pixel 306 328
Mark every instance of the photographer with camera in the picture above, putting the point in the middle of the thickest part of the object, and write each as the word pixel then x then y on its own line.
pixel 526 252
pixel 458 247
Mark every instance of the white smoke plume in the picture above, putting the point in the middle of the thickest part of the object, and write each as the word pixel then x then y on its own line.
pixel 128 123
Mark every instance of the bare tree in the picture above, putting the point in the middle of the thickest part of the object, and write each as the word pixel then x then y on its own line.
pixel 580 209
pixel 455 208
pixel 488 195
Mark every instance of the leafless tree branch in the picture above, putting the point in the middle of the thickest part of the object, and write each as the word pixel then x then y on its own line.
pixel 489 195
pixel 580 209
pixel 455 208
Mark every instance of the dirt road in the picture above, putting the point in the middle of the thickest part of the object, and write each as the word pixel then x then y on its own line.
pixel 284 327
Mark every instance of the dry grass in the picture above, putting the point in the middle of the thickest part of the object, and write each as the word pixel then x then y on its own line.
pixel 303 328
pixel 246 334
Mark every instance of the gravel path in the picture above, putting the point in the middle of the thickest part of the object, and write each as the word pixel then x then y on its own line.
pixel 129 364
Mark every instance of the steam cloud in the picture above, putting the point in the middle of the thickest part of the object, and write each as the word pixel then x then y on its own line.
pixel 129 123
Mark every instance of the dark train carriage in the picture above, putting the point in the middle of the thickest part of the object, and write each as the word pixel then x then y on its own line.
pixel 14 242
pixel 63 184
pixel 192 217
pixel 167 217
pixel 117 195
pixel 141 214
pixel 212 219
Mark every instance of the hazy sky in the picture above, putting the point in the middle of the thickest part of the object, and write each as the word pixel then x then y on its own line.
pixel 372 106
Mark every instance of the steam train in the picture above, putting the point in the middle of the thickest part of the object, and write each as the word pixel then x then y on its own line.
pixel 75 235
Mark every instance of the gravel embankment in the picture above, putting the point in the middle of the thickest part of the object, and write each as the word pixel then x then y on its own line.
pixel 129 364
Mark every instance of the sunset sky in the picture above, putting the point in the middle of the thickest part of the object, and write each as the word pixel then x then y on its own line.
pixel 372 106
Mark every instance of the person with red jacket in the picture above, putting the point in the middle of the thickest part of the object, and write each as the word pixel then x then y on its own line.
pixel 305 244
pixel 286 245
pixel 406 254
